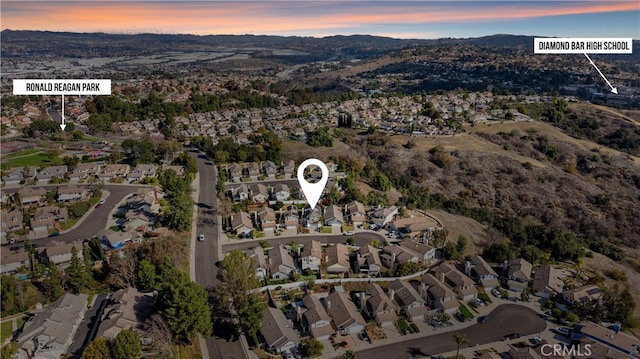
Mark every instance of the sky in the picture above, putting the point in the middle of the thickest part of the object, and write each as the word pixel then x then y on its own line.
pixel 399 19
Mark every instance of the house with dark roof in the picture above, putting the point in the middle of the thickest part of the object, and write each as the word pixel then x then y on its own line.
pixel 277 331
pixel 311 255
pixel 281 263
pixel 315 320
pixel 379 306
pixel 49 333
pixel 369 260
pixel 13 260
pixel 72 193
pixel 438 294
pixel 59 252
pixel 343 312
pixel 356 213
pixel 333 216
pixel 241 223
pixel 548 281
pixel 409 301
pixel 267 219
pixel 580 295
pixel 337 259
pixel 462 285
pixel 482 272
pixel 126 309
pixel 47 173
pixel 259 261
pixel 518 274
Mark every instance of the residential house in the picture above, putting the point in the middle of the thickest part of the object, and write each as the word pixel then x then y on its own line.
pixel 414 224
pixel 379 306
pixel 369 260
pixel 253 170
pixel 49 333
pixel 580 295
pixel 142 171
pixel 269 169
pixel 19 175
pixel 126 309
pixel 346 318
pixel 315 320
pixel 281 192
pixel 518 273
pixel 46 174
pixel 483 273
pixel 241 224
pixel 116 240
pixel 333 216
pixel 617 344
pixel 45 217
pixel 84 171
pixel 113 171
pixel 239 192
pixel 380 217
pixel 234 172
pixel 59 252
pixel 356 213
pixel 312 218
pixel 337 259
pixel 410 302
pixel 424 252
pixel 72 193
pixel 548 281
pixel 32 195
pixel 462 285
pixel 290 217
pixel 439 294
pixel 267 219
pixel 137 221
pixel 393 255
pixel 288 168
pixel 277 331
pixel 281 264
pixel 311 255
pixel 13 260
pixel 258 193
pixel 177 168
pixel 11 221
pixel 259 261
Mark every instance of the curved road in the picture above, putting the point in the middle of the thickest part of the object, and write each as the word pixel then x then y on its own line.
pixel 96 220
pixel 503 320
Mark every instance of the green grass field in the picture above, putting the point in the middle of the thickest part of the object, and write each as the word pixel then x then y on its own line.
pixel 6 329
pixel 465 311
pixel 37 158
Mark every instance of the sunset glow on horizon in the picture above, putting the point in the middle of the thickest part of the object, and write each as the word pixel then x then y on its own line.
pixel 414 19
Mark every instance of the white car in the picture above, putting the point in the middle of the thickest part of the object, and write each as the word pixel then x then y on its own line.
pixel 102 201
pixel 201 237
pixel 373 227
pixel 348 233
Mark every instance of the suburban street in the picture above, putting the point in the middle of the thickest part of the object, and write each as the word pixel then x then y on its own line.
pixel 95 220
pixel 219 345
pixel 505 319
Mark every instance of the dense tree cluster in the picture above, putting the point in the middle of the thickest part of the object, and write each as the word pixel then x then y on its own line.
pixel 179 213
pixel 320 137
pixel 266 145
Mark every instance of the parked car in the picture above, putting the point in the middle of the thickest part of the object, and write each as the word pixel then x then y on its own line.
pixel 347 233
pixel 373 227
pixel 496 293
pixel 535 340
pixel 562 330
pixel 201 237
pixel 483 319
pixel 512 336
pixel 102 201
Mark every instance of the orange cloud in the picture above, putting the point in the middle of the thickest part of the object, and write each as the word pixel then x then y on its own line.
pixel 274 17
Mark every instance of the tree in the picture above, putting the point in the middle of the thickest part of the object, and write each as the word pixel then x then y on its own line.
pixel 159 332
pixel 78 276
pixel 450 251
pixel 349 354
pixel 185 308
pixel 407 268
pixel 53 286
pixel 97 349
pixel 461 244
pixel 126 345
pixel 146 274
pixel 249 315
pixel 238 276
pixel 351 241
pixel 312 348
pixel 460 340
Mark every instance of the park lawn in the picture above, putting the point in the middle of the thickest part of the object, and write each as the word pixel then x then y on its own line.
pixel 328 230
pixel 28 152
pixel 465 311
pixel 402 325
pixel 6 329
pixel 36 159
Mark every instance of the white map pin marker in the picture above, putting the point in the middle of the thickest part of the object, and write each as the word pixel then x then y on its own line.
pixel 313 191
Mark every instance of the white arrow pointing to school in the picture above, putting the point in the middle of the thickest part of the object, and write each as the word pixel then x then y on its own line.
pixel 613 89
pixel 62 125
